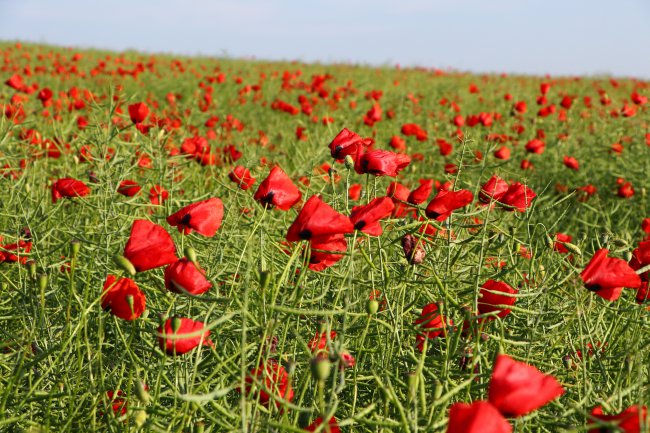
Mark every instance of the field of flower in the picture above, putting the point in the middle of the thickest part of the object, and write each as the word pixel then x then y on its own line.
pixel 196 244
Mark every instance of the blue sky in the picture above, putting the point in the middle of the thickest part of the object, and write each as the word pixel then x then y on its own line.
pixel 560 37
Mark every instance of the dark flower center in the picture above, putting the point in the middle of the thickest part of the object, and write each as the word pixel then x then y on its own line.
pixel 433 214
pixel 305 234
pixel 360 225
pixel 593 287
pixel 186 219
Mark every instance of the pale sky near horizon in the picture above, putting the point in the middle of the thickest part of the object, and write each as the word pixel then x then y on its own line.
pixel 558 37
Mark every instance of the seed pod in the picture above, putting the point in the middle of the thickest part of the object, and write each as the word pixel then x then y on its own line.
pixel 550 244
pixel 572 248
pixel 265 279
pixel 413 249
pixel 618 242
pixel 125 264
pixel 31 267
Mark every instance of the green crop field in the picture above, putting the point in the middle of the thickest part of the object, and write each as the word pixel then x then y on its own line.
pixel 219 245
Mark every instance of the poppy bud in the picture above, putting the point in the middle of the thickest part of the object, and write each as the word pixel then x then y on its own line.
pixel 265 279
pixel 141 392
pixel 413 249
pixel 349 162
pixel 75 245
pixel 568 362
pixel 627 255
pixel 31 268
pixel 42 282
pixel 290 367
pixel 176 324
pixel 604 239
pixel 437 390
pixel 572 248
pixel 140 417
pixel 320 368
pixel 200 427
pixel 190 254
pixel 372 306
pixel 412 381
pixel 125 264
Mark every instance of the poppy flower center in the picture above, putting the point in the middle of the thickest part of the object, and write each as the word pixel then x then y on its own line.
pixel 433 214
pixel 593 287
pixel 360 225
pixel 268 198
pixel 305 234
pixel 186 219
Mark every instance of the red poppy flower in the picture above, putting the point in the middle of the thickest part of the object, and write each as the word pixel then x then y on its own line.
pixel 316 219
pixel 494 295
pixel 138 112
pixel 626 190
pixel 366 218
pixel 278 190
pixel 381 163
pixel 158 195
pixel 326 251
pixel 242 177
pixel 347 143
pixel 275 381
pixel 15 253
pixel 123 298
pixel 477 417
pixel 443 204
pixel 331 427
pixel 149 246
pixel 493 190
pixel 431 323
pixel 183 276
pixel 641 257
pixel 571 163
pixel 518 197
pixel 117 402
pixel 628 421
pixel 420 194
pixel 68 187
pixel 128 188
pixel 180 335
pixel 318 343
pixel 399 194
pixel 502 153
pixel 204 217
pixel 354 192
pixel 413 129
pixel 606 276
pixel 517 389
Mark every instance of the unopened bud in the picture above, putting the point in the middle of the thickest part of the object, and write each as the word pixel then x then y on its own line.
pixel 190 254
pixel 372 306
pixel 265 279
pixel 349 162
pixel 141 392
pixel 125 264
pixel 320 368
pixel 42 282
pixel 627 255
pixel 550 244
pixel 140 417
pixel 413 249
pixel 75 246
pixel 31 268
pixel 176 324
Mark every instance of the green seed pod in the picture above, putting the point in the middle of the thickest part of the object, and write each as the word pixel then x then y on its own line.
pixel 412 381
pixel 349 162
pixel 627 255
pixel 372 306
pixel 437 390
pixel 619 243
pixel 125 264
pixel 141 392
pixel 42 282
pixel 550 244
pixel 572 248
pixel 320 368
pixel 190 254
